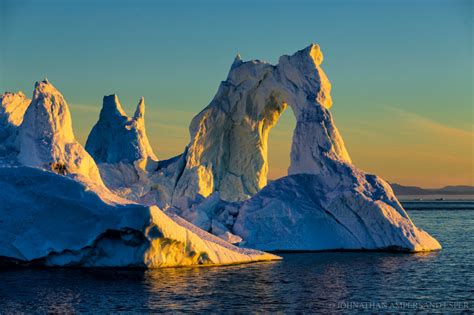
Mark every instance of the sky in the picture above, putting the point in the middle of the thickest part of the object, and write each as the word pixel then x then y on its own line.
pixel 401 71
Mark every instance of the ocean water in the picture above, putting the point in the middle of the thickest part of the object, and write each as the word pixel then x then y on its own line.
pixel 305 282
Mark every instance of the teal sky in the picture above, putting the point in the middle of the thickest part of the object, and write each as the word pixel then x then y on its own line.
pixel 401 70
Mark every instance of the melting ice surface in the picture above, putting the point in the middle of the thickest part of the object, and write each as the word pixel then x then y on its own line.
pixel 300 282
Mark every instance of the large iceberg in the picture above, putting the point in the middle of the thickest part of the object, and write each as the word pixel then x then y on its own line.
pixel 63 205
pixel 56 211
pixel 324 203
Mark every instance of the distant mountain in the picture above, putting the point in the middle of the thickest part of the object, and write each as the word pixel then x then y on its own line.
pixel 458 189
pixel 447 190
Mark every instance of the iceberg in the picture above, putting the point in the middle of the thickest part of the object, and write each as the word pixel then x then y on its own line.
pixel 115 204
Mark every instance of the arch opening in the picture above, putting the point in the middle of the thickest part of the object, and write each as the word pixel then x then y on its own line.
pixel 279 145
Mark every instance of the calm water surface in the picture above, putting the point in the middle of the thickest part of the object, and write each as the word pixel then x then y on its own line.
pixel 330 282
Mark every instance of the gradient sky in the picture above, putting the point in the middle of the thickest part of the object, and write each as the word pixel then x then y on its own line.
pixel 401 70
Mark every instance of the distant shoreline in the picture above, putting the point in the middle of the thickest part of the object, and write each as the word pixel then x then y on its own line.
pixel 434 198
pixel 401 190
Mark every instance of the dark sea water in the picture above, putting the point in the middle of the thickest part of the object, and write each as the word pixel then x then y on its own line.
pixel 307 282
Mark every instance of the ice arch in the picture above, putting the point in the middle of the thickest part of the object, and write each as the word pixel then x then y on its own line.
pixel 228 148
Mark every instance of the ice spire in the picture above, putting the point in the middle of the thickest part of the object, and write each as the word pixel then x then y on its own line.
pixel 237 61
pixel 111 106
pixel 118 138
pixel 140 111
pixel 46 137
